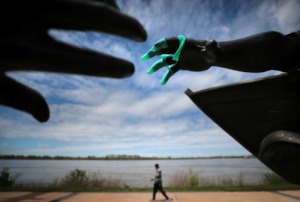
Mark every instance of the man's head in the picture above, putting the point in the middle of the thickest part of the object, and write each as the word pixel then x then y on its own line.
pixel 156 166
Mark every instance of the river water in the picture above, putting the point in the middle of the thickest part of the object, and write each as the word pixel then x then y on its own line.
pixel 137 173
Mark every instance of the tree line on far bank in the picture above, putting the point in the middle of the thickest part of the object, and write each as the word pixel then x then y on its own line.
pixel 109 157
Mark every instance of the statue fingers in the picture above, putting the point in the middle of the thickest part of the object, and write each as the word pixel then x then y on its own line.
pixel 18 96
pixel 165 60
pixel 162 46
pixel 49 55
pixel 85 15
pixel 171 71
pixel 173 47
pixel 93 16
pixel 155 50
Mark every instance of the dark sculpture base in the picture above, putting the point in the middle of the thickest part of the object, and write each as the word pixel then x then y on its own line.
pixel 263 115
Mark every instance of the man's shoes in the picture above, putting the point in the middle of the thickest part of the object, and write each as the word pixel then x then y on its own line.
pixel 166 200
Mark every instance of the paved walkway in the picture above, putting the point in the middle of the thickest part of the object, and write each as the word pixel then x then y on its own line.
pixel 263 196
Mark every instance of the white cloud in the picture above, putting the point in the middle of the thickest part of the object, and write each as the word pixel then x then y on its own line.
pixel 4 144
pixel 288 15
pixel 223 31
pixel 212 139
pixel 283 14
pixel 42 145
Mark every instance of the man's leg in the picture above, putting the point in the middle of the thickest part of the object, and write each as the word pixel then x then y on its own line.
pixel 160 188
pixel 155 188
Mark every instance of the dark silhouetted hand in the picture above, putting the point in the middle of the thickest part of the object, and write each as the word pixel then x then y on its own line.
pixel 26 46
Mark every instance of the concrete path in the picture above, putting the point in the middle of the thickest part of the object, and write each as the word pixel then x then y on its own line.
pixel 263 196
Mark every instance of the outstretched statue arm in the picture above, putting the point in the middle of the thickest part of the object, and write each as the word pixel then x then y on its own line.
pixel 257 53
pixel 262 52
pixel 26 46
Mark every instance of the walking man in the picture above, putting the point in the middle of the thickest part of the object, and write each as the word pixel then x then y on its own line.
pixel 158 184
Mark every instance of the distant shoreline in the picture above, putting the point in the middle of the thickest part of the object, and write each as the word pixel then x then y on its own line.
pixel 111 157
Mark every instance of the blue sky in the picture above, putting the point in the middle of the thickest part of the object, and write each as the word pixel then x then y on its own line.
pixel 136 115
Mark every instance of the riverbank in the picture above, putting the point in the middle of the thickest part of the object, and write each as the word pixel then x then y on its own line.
pixel 271 187
pixel 274 196
pixel 79 181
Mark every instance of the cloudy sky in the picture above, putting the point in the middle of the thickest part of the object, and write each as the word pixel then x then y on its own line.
pixel 136 115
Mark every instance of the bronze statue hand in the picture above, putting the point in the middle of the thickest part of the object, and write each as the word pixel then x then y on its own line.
pixel 196 55
pixel 26 45
pixel 257 53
